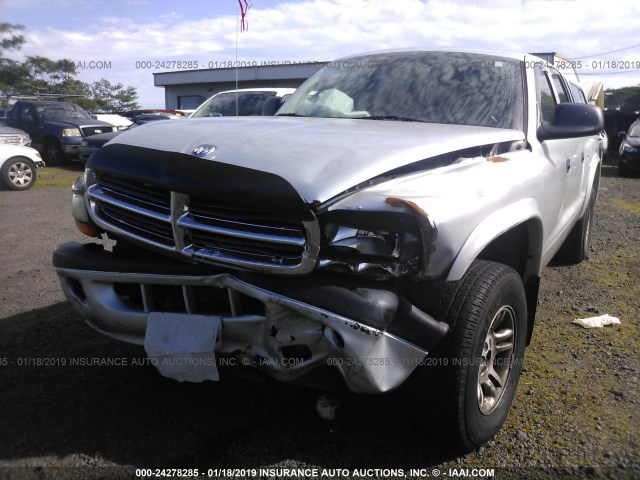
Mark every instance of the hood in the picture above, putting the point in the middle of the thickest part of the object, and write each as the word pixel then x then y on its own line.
pixel 78 122
pixel 319 157
pixel 12 131
pixel 8 151
pixel 102 138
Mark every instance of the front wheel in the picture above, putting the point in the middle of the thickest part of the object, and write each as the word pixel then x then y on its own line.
pixel 18 173
pixel 53 153
pixel 487 311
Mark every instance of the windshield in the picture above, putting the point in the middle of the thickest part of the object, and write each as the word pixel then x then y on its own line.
pixel 60 112
pixel 224 104
pixel 436 87
pixel 635 130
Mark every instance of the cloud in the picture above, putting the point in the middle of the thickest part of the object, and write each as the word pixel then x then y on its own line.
pixel 327 29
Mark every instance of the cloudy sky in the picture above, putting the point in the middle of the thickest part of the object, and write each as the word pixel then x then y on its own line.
pixel 126 33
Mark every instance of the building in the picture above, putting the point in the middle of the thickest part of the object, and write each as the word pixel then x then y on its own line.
pixel 189 88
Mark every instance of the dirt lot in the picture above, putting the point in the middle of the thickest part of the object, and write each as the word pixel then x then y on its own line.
pixel 576 412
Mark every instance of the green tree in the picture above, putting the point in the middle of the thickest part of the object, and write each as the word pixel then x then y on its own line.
pixel 114 97
pixel 10 39
pixel 625 99
pixel 12 74
pixel 37 74
pixel 76 87
pixel 50 73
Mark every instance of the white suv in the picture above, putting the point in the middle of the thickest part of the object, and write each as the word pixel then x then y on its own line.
pixel 242 102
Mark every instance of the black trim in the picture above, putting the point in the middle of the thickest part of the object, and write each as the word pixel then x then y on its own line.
pixel 222 183
pixel 93 257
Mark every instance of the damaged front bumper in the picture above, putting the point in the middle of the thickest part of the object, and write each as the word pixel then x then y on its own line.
pixel 285 328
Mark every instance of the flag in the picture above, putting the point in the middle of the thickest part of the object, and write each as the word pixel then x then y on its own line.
pixel 245 5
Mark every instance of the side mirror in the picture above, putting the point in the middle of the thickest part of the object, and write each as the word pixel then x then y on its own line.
pixel 621 134
pixel 271 106
pixel 572 120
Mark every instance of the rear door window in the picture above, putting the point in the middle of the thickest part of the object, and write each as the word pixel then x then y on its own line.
pixel 563 96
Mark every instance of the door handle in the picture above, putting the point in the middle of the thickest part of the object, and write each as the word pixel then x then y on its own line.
pixel 568 164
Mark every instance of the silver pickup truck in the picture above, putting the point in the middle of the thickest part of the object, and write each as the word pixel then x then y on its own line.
pixel 395 213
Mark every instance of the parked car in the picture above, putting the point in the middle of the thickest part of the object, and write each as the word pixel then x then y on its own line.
pixel 397 211
pixel 143 118
pixel 90 145
pixel 241 102
pixel 13 136
pixel 122 123
pixel 18 166
pixel 132 113
pixel 56 128
pixel 629 154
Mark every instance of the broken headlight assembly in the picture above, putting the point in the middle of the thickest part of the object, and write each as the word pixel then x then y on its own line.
pixel 374 243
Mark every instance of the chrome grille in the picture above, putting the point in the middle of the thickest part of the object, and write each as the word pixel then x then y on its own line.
pixel 202 229
pixel 251 235
pixel 10 140
pixel 137 194
pixel 88 131
pixel 140 225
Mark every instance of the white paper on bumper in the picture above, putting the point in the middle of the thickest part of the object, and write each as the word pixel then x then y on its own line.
pixel 181 346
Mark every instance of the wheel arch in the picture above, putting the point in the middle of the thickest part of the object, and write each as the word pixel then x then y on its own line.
pixel 24 157
pixel 50 137
pixel 511 236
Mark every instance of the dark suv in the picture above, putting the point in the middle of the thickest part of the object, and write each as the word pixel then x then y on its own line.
pixel 629 154
pixel 57 128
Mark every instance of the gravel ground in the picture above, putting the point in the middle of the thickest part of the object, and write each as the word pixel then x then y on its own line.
pixel 575 414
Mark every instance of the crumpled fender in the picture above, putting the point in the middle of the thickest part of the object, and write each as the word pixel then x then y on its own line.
pixel 495 225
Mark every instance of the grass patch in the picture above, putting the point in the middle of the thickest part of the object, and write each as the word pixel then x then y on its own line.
pixel 632 207
pixel 58 176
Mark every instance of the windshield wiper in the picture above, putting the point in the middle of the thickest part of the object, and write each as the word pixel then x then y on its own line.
pixel 392 117
pixel 290 115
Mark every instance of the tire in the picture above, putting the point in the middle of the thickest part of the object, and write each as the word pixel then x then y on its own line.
pixel 53 154
pixel 18 173
pixel 575 248
pixel 487 313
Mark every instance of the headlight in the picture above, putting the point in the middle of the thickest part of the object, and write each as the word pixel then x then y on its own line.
pixel 90 177
pixel 628 148
pixel 381 251
pixel 78 207
pixel 71 132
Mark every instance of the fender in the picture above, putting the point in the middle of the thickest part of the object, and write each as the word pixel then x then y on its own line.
pixel 495 225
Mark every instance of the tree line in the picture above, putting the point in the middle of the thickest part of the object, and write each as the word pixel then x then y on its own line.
pixel 625 99
pixel 41 75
